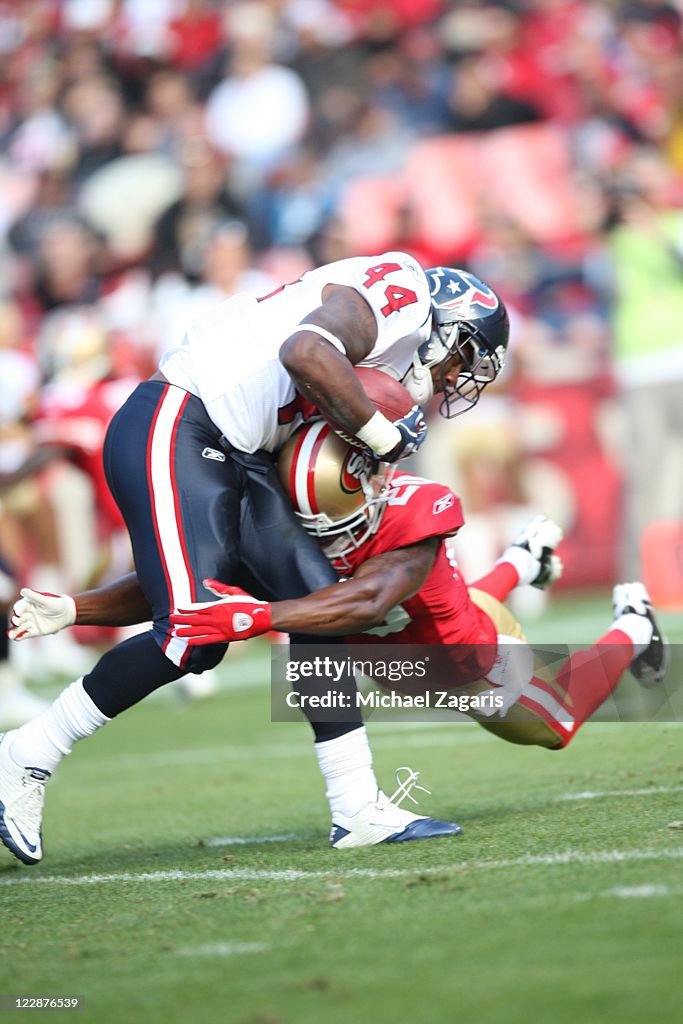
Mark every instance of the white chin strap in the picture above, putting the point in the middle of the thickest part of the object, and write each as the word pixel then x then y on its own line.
pixel 418 380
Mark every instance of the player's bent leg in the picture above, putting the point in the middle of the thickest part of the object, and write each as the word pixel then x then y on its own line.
pixel 138 666
pixel 568 696
pixel 554 704
pixel 279 561
pixel 557 701
pixel 516 722
pixel 30 754
pixel 505 622
pixel 512 671
pixel 182 511
pixel 550 706
pixel 524 727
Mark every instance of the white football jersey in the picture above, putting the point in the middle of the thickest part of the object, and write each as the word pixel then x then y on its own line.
pixel 230 356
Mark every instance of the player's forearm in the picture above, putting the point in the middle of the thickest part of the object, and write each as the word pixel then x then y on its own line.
pixel 323 373
pixel 121 603
pixel 326 378
pixel 363 602
pixel 349 607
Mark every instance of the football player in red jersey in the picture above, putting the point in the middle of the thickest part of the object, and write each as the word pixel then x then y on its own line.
pixel 386 536
pixel 388 533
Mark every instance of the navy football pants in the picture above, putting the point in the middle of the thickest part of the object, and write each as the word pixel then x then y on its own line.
pixel 194 510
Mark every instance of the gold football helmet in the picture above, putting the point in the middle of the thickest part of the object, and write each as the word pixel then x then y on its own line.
pixel 338 492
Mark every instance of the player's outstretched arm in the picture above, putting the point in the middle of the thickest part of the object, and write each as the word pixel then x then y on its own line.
pixel 351 606
pixel 121 603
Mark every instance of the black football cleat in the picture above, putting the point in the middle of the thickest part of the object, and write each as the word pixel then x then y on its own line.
pixel 650 667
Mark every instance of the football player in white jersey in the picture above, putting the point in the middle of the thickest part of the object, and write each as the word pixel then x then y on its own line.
pixel 188 460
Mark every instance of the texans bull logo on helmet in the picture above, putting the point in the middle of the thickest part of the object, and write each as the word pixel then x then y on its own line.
pixel 469 321
pixel 462 292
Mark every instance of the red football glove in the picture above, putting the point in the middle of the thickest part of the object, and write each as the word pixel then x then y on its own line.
pixel 236 616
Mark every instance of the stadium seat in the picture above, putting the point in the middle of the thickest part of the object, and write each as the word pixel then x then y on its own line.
pixel 662 561
pixel 449 180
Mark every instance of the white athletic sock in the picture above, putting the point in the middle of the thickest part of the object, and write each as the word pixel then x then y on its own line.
pixel 523 561
pixel 43 742
pixel 346 764
pixel 638 629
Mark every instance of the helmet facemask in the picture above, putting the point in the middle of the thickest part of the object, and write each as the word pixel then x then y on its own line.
pixel 340 536
pixel 480 367
pixel 339 493
pixel 469 322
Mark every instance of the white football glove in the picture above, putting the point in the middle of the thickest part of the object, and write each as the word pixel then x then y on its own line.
pixel 40 614
pixel 532 553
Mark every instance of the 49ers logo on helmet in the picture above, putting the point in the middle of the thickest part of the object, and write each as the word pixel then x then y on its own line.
pixel 464 293
pixel 355 465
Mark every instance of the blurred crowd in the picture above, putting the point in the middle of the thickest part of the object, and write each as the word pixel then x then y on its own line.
pixel 157 156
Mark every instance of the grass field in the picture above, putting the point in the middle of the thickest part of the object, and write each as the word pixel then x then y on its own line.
pixel 187 876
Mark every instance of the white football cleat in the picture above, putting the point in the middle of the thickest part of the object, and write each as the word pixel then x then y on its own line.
pixel 539 538
pixel 384 821
pixel 22 794
pixel 650 667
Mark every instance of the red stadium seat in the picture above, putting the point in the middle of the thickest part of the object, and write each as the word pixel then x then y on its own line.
pixel 523 172
pixel 662 561
pixel 370 211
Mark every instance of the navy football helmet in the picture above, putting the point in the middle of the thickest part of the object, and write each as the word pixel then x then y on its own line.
pixel 469 320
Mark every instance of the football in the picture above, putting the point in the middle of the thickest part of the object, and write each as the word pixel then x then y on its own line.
pixel 387 395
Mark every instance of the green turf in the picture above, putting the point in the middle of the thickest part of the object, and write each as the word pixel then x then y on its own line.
pixel 483 928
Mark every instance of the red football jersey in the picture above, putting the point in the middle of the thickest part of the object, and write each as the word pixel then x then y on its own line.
pixel 77 418
pixel 441 612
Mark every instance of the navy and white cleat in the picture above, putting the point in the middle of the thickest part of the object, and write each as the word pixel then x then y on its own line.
pixel 22 794
pixel 650 667
pixel 384 821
